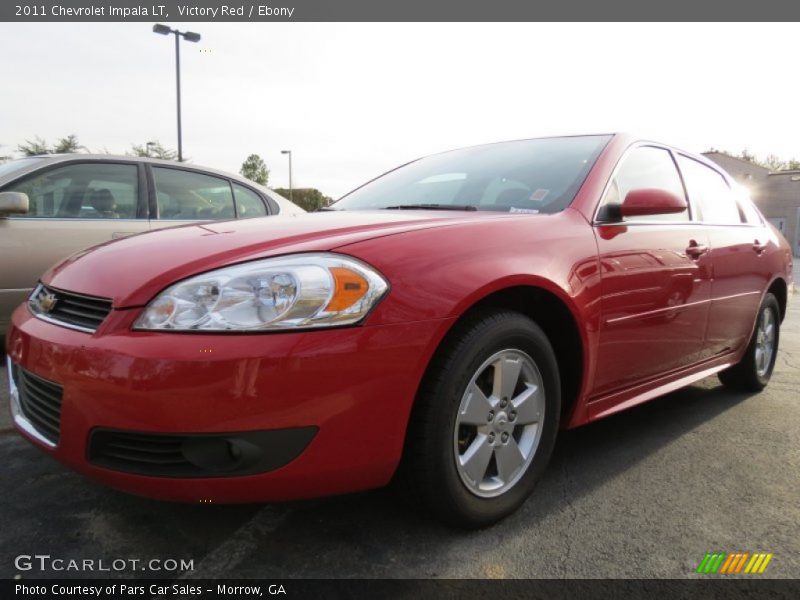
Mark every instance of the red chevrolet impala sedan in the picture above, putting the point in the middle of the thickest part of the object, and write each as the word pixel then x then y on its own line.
pixel 435 328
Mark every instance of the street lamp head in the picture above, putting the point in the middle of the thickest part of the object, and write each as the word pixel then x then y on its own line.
pixel 286 151
pixel 189 36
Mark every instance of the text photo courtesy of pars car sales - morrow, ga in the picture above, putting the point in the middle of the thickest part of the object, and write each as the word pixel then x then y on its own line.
pixel 437 300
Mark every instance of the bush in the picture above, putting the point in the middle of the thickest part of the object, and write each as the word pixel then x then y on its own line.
pixel 309 199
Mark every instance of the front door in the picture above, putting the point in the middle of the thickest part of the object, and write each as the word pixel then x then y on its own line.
pixel 655 278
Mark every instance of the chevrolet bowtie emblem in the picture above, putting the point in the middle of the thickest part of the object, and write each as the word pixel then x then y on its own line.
pixel 47 301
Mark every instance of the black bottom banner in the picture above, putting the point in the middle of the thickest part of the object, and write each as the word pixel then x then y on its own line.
pixel 507 589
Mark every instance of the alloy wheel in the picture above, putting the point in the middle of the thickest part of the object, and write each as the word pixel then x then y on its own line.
pixel 765 341
pixel 499 423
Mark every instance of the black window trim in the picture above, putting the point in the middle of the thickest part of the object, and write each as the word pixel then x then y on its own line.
pixel 233 198
pixel 141 184
pixel 597 221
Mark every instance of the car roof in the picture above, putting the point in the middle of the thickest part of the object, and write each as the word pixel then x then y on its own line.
pixel 45 160
pixel 59 158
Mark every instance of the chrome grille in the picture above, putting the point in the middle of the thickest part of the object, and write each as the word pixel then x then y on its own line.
pixel 77 311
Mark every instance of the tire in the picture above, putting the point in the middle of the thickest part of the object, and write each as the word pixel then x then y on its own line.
pixel 450 422
pixel 752 373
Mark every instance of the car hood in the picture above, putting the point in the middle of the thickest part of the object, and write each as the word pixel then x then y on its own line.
pixel 132 270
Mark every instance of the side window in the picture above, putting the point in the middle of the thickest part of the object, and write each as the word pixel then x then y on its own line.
pixel 709 192
pixel 187 195
pixel 248 203
pixel 82 191
pixel 645 167
pixel 749 210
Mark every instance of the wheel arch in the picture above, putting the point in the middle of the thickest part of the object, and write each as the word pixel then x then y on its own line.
pixel 553 310
pixel 779 289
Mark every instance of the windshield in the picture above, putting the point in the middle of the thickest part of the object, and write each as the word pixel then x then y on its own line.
pixel 526 176
pixel 16 165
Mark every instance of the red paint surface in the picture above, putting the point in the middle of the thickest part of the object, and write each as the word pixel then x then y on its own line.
pixel 650 318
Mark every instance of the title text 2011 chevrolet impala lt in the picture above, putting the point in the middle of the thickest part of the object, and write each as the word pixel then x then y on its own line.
pixel 436 328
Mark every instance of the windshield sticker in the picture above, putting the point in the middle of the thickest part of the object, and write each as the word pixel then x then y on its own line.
pixel 531 211
pixel 539 195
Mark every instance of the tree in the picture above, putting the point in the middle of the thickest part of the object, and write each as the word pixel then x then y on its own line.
pixel 309 199
pixel 153 150
pixel 34 147
pixel 68 145
pixel 255 170
pixel 773 162
pixel 745 155
pixel 776 163
pixel 65 145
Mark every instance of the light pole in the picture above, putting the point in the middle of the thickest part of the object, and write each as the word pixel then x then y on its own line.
pixel 189 36
pixel 289 152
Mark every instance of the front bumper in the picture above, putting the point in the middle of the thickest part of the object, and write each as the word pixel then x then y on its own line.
pixel 353 387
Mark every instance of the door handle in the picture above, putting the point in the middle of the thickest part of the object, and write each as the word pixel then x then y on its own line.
pixel 695 250
pixel 759 247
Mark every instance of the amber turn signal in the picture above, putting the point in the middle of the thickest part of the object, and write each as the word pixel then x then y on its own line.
pixel 349 288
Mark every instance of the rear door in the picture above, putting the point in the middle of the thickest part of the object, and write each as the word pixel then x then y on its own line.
pixel 72 206
pixel 737 245
pixel 655 278
pixel 183 196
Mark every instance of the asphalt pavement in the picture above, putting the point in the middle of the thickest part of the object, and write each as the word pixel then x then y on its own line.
pixel 642 494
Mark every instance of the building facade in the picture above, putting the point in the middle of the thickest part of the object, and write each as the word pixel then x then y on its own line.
pixel 776 193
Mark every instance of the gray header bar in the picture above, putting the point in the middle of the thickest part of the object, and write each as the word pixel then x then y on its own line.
pixel 397 10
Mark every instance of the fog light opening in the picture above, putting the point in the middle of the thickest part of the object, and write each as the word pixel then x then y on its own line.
pixel 219 454
pixel 234 451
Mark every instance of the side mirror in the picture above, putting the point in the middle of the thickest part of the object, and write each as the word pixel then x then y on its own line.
pixel 649 201
pixel 13 203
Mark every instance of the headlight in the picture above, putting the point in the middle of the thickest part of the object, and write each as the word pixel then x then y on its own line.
pixel 304 290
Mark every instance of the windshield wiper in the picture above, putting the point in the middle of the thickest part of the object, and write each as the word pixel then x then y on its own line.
pixel 327 209
pixel 431 207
